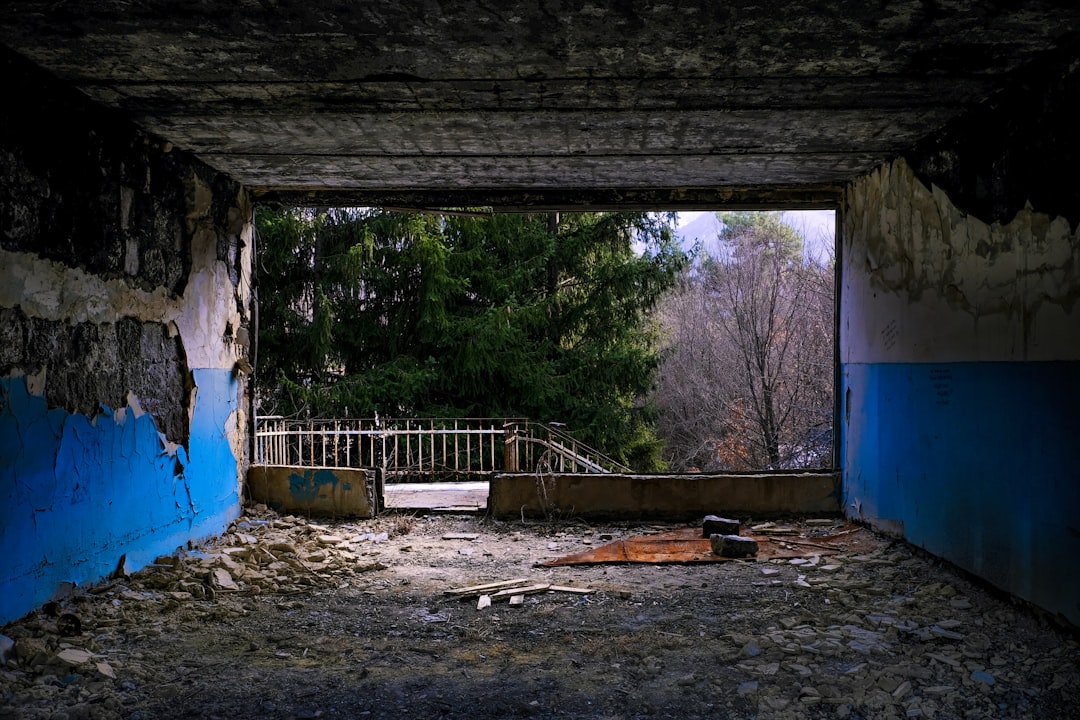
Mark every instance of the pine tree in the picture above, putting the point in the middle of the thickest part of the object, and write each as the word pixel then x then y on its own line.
pixel 539 316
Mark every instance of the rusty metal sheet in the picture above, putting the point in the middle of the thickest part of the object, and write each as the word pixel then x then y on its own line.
pixel 685 545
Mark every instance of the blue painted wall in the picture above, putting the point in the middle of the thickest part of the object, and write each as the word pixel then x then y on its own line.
pixel 978 463
pixel 77 493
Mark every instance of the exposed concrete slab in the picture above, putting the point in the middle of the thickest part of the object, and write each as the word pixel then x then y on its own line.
pixel 664 497
pixel 542 96
pixel 331 492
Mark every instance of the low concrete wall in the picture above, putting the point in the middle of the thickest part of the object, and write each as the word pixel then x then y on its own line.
pixel 665 497
pixel 329 492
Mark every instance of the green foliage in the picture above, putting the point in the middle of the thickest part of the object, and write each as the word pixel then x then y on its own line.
pixel 537 316
pixel 749 232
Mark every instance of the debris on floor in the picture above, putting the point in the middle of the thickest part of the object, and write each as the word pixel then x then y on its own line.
pixel 713 525
pixel 515 590
pixel 840 622
pixel 686 545
pixel 733 546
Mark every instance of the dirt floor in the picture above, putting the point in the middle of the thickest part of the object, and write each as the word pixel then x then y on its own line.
pixel 286 618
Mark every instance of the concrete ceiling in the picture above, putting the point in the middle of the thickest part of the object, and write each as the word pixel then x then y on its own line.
pixel 541 102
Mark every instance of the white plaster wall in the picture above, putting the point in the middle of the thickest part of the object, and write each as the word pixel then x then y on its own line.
pixel 925 282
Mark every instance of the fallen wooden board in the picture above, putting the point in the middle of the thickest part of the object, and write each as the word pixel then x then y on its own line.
pixel 485 588
pixel 460 536
pixel 526 590
pixel 568 589
pixel 684 546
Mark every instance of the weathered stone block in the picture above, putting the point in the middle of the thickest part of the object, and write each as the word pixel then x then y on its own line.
pixel 733 546
pixel 713 525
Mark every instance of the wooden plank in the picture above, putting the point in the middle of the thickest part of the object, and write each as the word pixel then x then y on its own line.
pixel 568 589
pixel 526 590
pixel 483 589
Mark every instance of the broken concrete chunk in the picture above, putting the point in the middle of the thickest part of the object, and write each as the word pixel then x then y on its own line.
pixel 222 580
pixel 483 602
pixel 713 525
pixel 733 546
pixel 74 656
pixel 517 600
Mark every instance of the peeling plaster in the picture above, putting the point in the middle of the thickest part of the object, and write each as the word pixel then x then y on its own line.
pixel 960 373
pixel 122 422
pixel 76 492
pixel 937 285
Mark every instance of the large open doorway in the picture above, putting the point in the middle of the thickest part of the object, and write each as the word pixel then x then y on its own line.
pixel 724 360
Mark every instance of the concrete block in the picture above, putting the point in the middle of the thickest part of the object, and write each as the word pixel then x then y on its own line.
pixel 713 525
pixel 733 546
pixel 328 492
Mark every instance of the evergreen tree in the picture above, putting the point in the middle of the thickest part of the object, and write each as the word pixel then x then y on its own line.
pixel 539 316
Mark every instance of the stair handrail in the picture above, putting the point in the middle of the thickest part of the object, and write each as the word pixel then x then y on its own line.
pixel 568 445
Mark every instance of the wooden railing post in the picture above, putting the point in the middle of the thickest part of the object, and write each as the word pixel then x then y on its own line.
pixel 510 450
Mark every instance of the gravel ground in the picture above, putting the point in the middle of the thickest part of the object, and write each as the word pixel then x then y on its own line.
pixel 287 618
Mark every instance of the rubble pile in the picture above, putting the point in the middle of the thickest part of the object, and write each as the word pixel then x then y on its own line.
pixel 72 654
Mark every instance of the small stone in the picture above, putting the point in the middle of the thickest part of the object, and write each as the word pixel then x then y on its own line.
pixel 713 525
pixel 767 571
pixel 74 656
pixel 983 677
pixel 222 580
pixel 751 686
pixel 733 546
pixel 939 631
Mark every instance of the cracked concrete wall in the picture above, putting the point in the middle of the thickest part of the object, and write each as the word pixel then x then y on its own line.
pixel 125 306
pixel 960 365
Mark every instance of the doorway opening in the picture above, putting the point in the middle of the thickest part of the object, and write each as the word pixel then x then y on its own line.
pixel 671 341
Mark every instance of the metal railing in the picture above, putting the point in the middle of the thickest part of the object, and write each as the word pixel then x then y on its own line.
pixel 427 449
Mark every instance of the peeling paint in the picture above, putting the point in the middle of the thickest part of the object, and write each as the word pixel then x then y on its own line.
pixel 335 492
pixel 930 283
pixel 122 423
pixel 306 488
pixel 77 492
pixel 960 370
